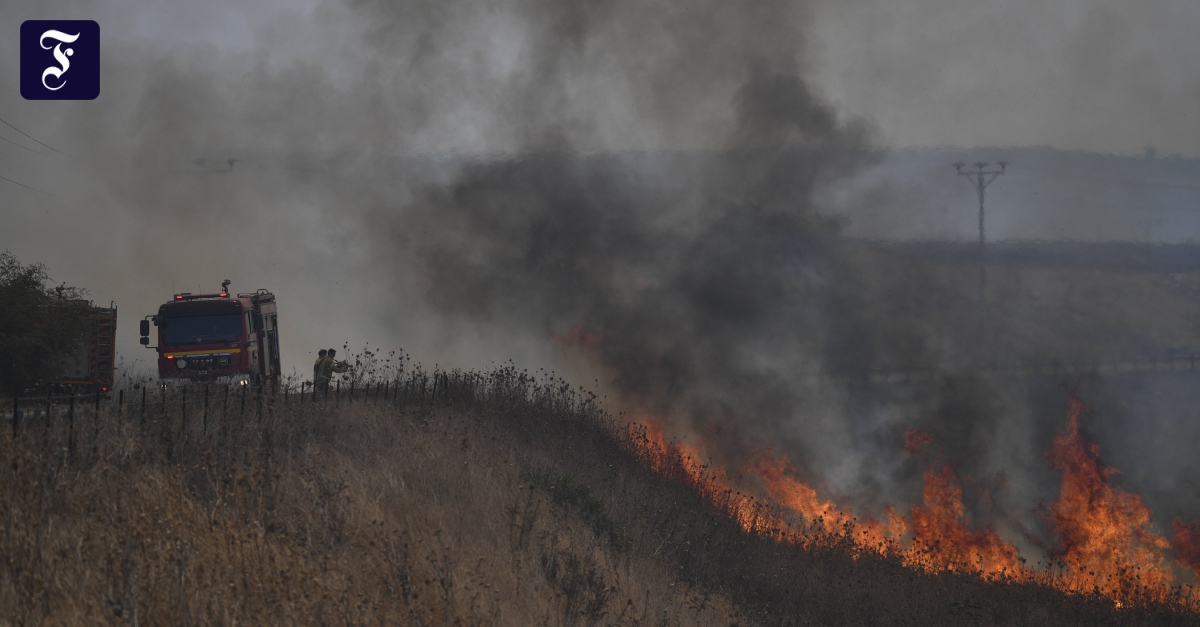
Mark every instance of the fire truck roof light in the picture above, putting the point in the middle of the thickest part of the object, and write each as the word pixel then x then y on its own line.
pixel 179 297
pixel 224 295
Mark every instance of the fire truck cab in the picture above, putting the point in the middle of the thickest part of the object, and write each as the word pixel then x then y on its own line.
pixel 211 336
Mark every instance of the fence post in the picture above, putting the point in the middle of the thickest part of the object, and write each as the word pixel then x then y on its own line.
pixel 71 426
pixel 16 420
pixel 352 392
pixel 337 394
pixel 121 403
pixel 96 427
pixel 242 411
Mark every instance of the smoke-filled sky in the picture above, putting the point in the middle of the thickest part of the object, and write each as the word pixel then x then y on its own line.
pixel 641 193
pixel 1095 75
pixel 1090 75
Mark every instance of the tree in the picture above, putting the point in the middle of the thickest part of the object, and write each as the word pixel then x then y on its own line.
pixel 40 327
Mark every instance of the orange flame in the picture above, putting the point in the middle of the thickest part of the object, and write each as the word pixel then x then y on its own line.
pixel 1187 543
pixel 675 460
pixel 1108 545
pixel 824 515
pixel 941 541
pixel 940 538
pixel 1106 537
pixel 796 495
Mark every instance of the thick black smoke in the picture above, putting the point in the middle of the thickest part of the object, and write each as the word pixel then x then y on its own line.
pixel 707 285
pixel 704 285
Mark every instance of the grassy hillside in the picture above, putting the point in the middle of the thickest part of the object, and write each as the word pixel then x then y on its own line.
pixel 469 499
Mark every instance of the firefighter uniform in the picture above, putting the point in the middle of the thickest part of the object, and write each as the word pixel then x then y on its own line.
pixel 317 370
pixel 323 370
pixel 326 368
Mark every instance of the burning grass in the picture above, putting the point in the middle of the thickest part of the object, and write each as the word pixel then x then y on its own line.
pixel 1107 541
pixel 1107 545
pixel 464 498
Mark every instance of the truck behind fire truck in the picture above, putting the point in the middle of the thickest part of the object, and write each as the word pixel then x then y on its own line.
pixel 91 366
pixel 205 337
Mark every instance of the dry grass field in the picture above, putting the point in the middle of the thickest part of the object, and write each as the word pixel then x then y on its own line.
pixel 462 499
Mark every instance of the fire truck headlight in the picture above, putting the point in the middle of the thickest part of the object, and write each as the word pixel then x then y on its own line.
pixel 223 361
pixel 181 363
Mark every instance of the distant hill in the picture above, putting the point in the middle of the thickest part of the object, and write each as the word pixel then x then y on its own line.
pixel 1045 194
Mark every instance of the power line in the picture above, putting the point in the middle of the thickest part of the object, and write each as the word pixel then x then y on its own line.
pixel 21 146
pixel 39 142
pixel 27 187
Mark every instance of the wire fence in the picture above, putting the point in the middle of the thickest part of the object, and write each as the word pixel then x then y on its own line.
pixel 194 410
pixel 196 405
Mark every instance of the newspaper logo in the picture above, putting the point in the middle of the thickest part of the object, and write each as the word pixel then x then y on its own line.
pixel 60 60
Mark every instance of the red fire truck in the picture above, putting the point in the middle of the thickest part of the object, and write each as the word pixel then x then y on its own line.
pixel 217 336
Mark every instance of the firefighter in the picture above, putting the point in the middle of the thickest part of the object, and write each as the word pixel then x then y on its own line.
pixel 322 372
pixel 317 365
pixel 336 366
pixel 326 367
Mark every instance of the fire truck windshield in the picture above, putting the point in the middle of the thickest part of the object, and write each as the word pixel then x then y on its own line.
pixel 210 329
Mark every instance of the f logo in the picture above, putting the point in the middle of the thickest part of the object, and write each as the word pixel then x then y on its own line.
pixel 60 60
pixel 59 56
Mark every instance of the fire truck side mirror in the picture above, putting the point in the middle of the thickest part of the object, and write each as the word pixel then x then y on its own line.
pixel 144 340
pixel 144 329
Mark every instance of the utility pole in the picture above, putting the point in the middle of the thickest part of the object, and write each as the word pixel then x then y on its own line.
pixel 980 178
